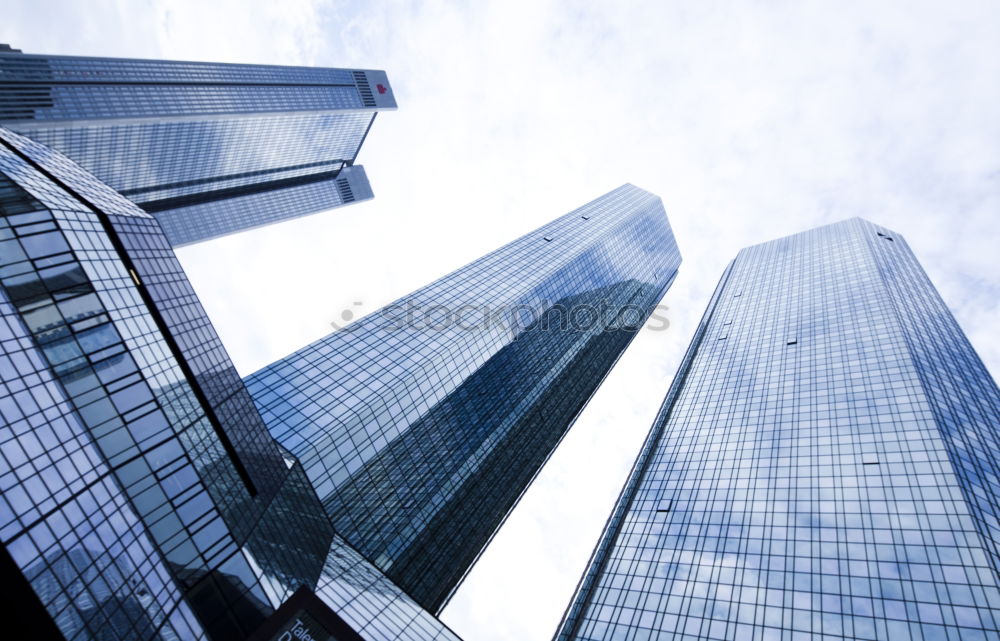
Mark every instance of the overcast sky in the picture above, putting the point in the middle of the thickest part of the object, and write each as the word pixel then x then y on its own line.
pixel 751 120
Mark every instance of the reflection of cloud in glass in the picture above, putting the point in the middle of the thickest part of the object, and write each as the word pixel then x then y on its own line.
pixel 821 464
pixel 419 432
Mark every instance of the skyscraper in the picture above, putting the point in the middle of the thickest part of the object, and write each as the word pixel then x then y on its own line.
pixel 209 149
pixel 141 496
pixel 421 424
pixel 824 464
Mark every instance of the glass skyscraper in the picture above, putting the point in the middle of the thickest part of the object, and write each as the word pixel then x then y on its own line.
pixel 208 149
pixel 824 466
pixel 141 496
pixel 421 424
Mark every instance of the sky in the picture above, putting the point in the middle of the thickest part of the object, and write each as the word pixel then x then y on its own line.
pixel 751 120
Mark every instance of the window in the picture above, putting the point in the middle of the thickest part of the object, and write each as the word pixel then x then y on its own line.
pixel 548 239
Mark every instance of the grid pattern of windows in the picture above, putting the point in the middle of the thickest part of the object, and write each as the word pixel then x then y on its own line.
pixel 120 504
pixel 151 161
pixel 823 467
pixel 84 310
pixel 421 424
pixel 371 604
pixel 186 225
pixel 153 265
pixel 77 87
pixel 206 142
pixel 961 394
pixel 62 518
pixel 73 275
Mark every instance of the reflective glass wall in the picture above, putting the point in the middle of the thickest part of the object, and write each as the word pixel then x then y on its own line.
pixel 823 466
pixel 421 424
pixel 207 148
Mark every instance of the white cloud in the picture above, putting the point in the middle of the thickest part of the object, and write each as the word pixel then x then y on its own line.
pixel 751 121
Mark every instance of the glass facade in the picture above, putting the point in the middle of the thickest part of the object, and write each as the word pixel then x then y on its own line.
pixel 186 224
pixel 141 496
pixel 207 148
pixel 824 465
pixel 372 604
pixel 421 424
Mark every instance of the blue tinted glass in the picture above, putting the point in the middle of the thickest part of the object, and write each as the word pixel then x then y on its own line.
pixel 147 499
pixel 209 149
pixel 421 424
pixel 830 464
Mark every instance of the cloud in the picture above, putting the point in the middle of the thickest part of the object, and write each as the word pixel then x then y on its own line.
pixel 751 121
